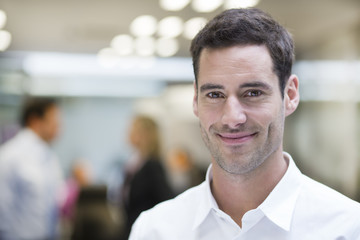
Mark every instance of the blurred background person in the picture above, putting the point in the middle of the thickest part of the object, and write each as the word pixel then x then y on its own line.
pixel 30 176
pixel 183 171
pixel 86 212
pixel 145 182
pixel 79 177
pixel 93 219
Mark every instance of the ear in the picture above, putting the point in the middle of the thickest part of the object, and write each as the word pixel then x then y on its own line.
pixel 33 121
pixel 195 102
pixel 291 95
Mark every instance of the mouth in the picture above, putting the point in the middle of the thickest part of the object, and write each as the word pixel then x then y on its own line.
pixel 236 138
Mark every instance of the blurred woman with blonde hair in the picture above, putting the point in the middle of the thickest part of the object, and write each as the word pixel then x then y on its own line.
pixel 145 182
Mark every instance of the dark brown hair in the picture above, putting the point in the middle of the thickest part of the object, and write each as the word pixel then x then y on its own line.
pixel 35 106
pixel 247 26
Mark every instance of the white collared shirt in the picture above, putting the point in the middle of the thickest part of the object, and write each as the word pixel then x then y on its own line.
pixel 30 184
pixel 297 208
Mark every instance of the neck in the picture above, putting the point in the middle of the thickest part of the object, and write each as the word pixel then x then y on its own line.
pixel 237 194
pixel 38 132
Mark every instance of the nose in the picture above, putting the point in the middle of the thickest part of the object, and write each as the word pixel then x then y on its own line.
pixel 233 113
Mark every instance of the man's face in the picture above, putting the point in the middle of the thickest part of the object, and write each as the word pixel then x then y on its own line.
pixel 240 107
pixel 50 123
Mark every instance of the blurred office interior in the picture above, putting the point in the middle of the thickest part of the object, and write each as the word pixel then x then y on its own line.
pixel 104 70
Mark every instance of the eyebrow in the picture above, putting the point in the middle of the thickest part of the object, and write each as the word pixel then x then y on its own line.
pixel 210 86
pixel 256 84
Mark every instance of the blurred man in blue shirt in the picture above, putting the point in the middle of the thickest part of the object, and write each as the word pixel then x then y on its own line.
pixel 30 175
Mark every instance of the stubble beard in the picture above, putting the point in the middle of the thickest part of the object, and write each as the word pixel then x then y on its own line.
pixel 240 161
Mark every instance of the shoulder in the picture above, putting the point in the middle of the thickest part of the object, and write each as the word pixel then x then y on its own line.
pixel 12 156
pixel 180 205
pixel 325 205
pixel 318 193
pixel 11 148
pixel 23 141
pixel 174 215
pixel 153 163
pixel 152 167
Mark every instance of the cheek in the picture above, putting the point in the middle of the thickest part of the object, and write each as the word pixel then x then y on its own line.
pixel 265 116
pixel 208 118
pixel 55 126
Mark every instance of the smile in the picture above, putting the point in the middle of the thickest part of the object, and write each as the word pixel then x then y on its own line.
pixel 236 138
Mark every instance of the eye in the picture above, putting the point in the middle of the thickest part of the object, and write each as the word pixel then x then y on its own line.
pixel 253 93
pixel 215 95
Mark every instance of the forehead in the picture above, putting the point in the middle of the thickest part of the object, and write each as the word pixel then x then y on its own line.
pixel 235 60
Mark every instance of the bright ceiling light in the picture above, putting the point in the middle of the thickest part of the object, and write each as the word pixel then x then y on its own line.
pixel 123 44
pixel 206 5
pixel 2 18
pixel 144 25
pixel 166 47
pixel 170 27
pixel 145 46
pixel 108 57
pixel 5 40
pixel 173 5
pixel 240 4
pixel 193 26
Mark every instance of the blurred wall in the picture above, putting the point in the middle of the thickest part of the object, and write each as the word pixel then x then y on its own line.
pixel 323 138
pixel 94 130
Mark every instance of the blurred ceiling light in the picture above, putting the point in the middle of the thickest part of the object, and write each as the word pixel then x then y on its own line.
pixel 144 25
pixel 123 44
pixel 240 4
pixel 2 18
pixel 170 27
pixel 5 40
pixel 145 46
pixel 206 5
pixel 193 26
pixel 108 57
pixel 166 47
pixel 173 5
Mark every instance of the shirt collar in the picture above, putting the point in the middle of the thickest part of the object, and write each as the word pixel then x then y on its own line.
pixel 278 207
pixel 207 201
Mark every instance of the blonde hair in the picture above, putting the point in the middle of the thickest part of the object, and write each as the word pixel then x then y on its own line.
pixel 149 131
